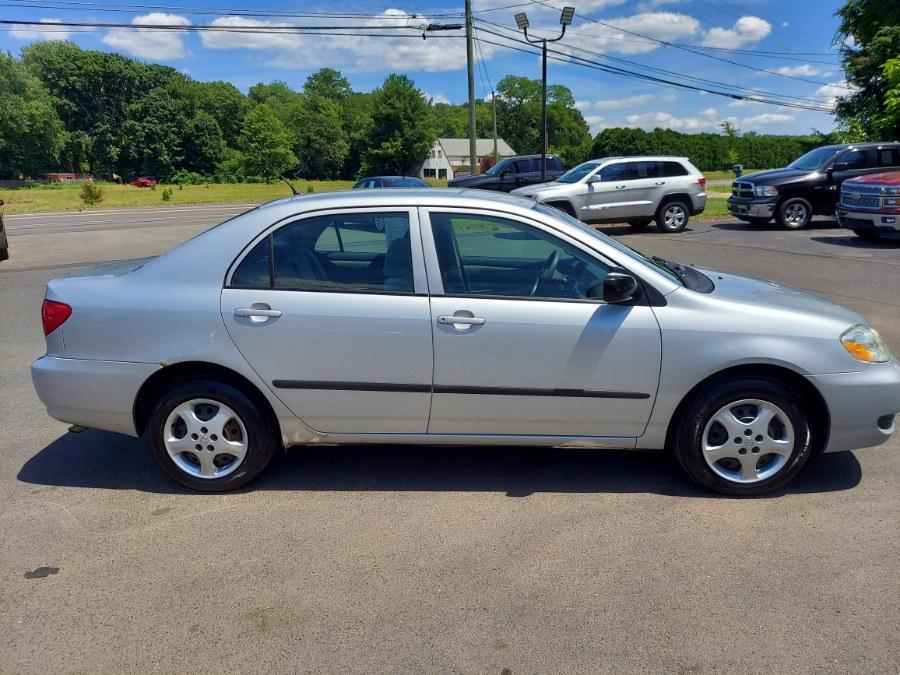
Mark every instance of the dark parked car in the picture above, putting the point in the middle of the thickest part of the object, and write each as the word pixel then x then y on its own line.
pixel 389 182
pixel 809 185
pixel 511 173
pixel 870 206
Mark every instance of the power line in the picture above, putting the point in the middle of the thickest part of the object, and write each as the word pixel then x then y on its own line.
pixel 576 60
pixel 220 28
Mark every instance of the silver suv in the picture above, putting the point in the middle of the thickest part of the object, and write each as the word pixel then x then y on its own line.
pixel 635 190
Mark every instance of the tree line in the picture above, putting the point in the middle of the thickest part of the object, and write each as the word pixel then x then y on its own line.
pixel 63 108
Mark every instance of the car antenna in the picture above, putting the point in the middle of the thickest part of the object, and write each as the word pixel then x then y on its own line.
pixel 291 185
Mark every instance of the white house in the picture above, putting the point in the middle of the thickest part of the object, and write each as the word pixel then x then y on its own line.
pixel 448 153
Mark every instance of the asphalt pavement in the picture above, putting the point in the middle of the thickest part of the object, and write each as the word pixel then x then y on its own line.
pixel 390 559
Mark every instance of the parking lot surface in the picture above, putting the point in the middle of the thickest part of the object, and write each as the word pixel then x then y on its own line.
pixel 437 559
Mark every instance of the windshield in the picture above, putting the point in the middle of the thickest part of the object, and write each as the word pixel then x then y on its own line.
pixel 579 172
pixel 814 158
pixel 404 182
pixel 498 167
pixel 619 246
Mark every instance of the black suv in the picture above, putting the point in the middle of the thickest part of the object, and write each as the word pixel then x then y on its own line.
pixel 809 185
pixel 511 173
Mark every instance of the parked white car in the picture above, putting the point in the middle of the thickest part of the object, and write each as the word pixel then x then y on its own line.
pixel 635 190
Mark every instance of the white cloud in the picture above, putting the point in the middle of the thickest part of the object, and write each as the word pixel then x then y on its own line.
pixel 666 26
pixel 436 98
pixel 664 120
pixel 710 112
pixel 34 31
pixel 151 44
pixel 832 91
pixel 766 118
pixel 582 105
pixel 670 96
pixel 353 52
pixel 596 123
pixel 745 31
pixel 619 104
pixel 650 5
pixel 803 70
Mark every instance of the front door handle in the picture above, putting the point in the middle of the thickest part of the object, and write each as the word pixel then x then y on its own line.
pixel 660 182
pixel 447 320
pixel 621 187
pixel 258 312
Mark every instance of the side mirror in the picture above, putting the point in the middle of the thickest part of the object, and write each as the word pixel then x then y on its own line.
pixel 616 288
pixel 595 179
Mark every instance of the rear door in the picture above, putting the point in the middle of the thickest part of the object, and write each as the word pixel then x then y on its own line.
pixel 331 310
pixel 646 184
pixel 519 349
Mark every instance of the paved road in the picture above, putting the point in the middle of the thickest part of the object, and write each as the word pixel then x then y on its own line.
pixel 402 559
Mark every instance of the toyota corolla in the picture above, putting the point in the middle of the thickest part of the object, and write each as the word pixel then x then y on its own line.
pixel 455 317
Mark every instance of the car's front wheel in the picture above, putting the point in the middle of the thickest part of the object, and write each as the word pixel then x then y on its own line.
pixel 210 436
pixel 745 436
pixel 794 213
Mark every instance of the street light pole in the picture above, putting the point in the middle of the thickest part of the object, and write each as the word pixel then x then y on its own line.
pixel 522 22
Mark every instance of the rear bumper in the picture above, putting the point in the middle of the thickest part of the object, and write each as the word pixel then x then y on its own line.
pixel 751 208
pixel 96 394
pixel 862 405
pixel 882 224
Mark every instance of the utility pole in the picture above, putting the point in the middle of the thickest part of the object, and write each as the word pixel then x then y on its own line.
pixel 470 65
pixel 522 22
pixel 494 110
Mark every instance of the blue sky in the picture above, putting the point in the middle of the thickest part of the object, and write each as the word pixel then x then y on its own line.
pixel 797 34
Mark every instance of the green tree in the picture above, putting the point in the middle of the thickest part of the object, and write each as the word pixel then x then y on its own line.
pixel 869 34
pixel 891 117
pixel 327 83
pixel 31 133
pixel 227 106
pixel 403 128
pixel 319 141
pixel 265 144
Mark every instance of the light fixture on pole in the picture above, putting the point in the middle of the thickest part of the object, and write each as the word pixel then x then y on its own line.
pixel 565 20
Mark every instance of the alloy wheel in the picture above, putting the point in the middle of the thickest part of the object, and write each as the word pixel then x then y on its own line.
pixel 795 214
pixel 748 441
pixel 674 216
pixel 205 438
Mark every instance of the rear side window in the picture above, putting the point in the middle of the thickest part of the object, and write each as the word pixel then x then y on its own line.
pixel 639 170
pixel 888 157
pixel 338 253
pixel 672 169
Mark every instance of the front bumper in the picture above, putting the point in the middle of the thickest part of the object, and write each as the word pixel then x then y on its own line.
pixel 883 224
pixel 95 394
pixel 862 405
pixel 744 207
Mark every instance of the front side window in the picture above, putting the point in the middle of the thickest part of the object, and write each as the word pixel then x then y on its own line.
pixel 614 172
pixel 358 252
pixel 855 159
pixel 496 257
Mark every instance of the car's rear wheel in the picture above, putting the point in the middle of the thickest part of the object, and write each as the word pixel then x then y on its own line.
pixel 745 436
pixel 672 216
pixel 210 436
pixel 794 213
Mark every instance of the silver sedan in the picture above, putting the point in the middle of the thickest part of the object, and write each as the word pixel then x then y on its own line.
pixel 455 317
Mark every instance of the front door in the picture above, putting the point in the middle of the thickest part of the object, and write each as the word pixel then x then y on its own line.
pixel 518 347
pixel 331 311
pixel 607 195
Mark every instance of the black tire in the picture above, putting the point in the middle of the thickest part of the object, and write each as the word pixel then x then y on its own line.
pixel 688 436
pixel 565 207
pixel 263 438
pixel 788 214
pixel 672 207
pixel 640 224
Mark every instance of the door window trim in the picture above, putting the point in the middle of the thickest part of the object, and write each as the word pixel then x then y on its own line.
pixel 433 269
pixel 420 279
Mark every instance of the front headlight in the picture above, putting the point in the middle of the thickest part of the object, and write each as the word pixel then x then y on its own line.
pixel 765 191
pixel 865 344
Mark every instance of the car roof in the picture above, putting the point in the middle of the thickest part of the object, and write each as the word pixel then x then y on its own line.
pixel 404 197
pixel 390 177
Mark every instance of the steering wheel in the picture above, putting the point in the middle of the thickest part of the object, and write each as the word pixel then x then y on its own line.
pixel 546 272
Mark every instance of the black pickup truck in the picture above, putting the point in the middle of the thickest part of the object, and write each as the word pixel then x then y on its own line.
pixel 511 173
pixel 809 185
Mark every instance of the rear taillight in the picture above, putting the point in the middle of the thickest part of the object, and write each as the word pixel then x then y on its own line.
pixel 702 181
pixel 54 315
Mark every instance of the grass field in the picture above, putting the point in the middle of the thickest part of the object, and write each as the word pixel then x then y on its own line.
pixel 66 197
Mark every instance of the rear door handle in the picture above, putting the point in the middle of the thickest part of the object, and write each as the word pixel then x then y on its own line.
pixel 621 187
pixel 660 182
pixel 257 312
pixel 447 320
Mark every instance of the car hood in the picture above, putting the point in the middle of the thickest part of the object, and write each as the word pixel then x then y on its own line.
pixel 773 177
pixel 770 295
pixel 472 181
pixel 542 188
